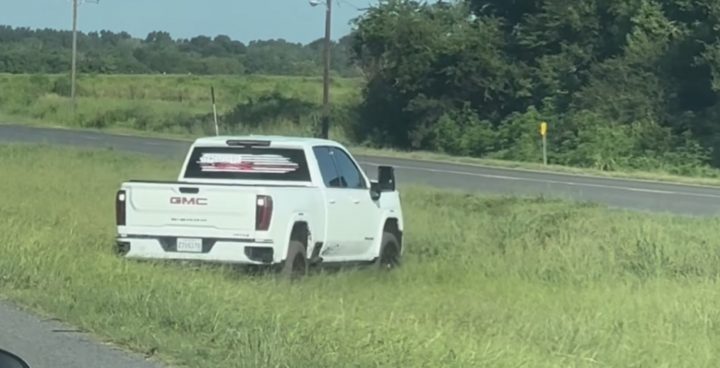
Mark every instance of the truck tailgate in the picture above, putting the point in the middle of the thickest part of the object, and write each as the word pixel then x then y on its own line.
pixel 166 208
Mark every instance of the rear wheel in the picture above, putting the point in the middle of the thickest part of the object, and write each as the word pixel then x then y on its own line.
pixel 295 265
pixel 389 257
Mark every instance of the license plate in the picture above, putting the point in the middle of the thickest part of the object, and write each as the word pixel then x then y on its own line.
pixel 189 245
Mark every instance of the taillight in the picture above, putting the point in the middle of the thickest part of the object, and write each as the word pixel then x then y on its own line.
pixel 120 201
pixel 263 212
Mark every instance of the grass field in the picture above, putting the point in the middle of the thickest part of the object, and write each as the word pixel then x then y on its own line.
pixel 501 282
pixel 176 104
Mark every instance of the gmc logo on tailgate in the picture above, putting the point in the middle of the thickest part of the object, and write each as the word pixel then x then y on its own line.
pixel 188 201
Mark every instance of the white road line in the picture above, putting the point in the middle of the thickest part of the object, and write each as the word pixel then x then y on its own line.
pixel 547 181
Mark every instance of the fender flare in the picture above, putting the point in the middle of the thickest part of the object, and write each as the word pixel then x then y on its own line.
pixel 375 249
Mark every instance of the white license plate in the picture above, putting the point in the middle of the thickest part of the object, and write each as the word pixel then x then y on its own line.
pixel 189 245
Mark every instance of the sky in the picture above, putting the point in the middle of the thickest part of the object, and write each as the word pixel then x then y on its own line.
pixel 243 20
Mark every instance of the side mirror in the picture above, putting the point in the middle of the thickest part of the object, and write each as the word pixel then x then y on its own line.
pixel 10 360
pixel 386 178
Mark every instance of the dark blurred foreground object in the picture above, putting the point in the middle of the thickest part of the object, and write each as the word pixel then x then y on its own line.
pixel 10 360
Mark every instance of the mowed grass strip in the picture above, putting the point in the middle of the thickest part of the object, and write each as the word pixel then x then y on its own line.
pixel 496 282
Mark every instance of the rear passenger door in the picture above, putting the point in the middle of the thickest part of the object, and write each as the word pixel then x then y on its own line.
pixel 351 212
pixel 335 206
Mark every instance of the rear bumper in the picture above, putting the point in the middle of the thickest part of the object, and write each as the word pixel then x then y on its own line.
pixel 235 251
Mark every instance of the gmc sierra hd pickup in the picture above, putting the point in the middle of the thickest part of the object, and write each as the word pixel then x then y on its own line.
pixel 283 202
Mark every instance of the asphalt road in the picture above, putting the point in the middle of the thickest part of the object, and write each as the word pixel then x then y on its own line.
pixel 619 193
pixel 47 343
pixel 44 347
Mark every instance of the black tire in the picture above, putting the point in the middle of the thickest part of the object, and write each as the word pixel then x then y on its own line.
pixel 296 263
pixel 389 256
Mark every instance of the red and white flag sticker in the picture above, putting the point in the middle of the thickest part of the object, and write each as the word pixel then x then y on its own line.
pixel 246 163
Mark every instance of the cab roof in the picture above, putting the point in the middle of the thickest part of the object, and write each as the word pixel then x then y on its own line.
pixel 274 140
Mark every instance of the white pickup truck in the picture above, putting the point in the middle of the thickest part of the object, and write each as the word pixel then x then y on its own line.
pixel 283 202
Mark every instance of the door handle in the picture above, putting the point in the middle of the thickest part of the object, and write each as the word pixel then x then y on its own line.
pixel 356 201
pixel 332 201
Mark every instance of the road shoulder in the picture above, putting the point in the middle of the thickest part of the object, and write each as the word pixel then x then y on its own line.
pixel 45 342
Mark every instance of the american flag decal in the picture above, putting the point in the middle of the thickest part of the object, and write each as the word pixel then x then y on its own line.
pixel 239 163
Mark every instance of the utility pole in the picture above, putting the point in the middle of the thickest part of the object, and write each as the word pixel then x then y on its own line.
pixel 326 73
pixel 74 54
pixel 73 74
pixel 325 130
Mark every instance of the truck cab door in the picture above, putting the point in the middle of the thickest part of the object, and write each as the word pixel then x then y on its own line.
pixel 351 213
pixel 333 203
pixel 363 212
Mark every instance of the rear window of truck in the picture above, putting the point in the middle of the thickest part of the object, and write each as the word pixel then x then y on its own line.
pixel 248 163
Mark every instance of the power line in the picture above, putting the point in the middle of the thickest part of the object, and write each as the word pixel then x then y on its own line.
pixel 352 5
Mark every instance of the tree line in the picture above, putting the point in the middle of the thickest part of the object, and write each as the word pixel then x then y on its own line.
pixel 24 50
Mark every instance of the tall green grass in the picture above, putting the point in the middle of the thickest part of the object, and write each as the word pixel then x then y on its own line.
pixel 178 104
pixel 497 282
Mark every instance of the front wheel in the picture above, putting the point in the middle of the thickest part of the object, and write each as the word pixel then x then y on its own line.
pixel 295 265
pixel 389 256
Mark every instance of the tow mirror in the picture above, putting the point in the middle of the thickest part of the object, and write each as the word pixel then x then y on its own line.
pixel 386 178
pixel 10 360
pixel 384 183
